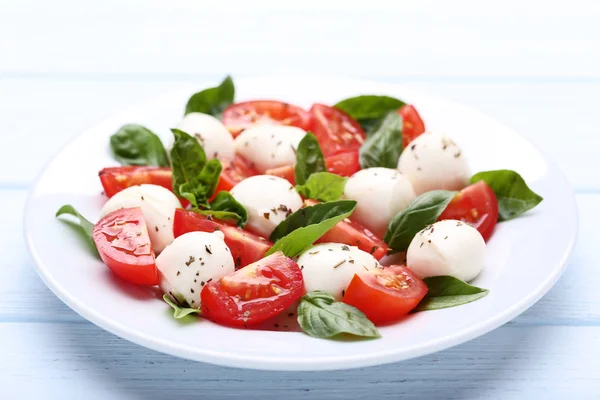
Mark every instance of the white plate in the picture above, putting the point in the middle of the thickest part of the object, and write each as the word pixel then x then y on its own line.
pixel 526 255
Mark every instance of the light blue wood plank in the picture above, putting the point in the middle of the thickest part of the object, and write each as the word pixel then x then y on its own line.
pixel 83 361
pixel 559 118
pixel 460 38
pixel 574 300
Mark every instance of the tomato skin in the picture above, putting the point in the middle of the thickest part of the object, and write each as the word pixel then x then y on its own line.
pixel 477 205
pixel 335 130
pixel 115 179
pixel 353 234
pixel 240 116
pixel 234 172
pixel 385 295
pixel 122 240
pixel 245 246
pixel 254 293
pixel 412 125
pixel 343 164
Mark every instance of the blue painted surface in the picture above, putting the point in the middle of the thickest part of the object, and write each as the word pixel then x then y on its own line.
pixel 67 65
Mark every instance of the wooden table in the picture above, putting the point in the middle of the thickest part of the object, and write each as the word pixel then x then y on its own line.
pixel 65 65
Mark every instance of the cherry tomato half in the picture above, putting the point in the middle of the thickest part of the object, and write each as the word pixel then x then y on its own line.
pixel 245 247
pixel 335 130
pixel 240 116
pixel 122 240
pixel 254 293
pixel 118 178
pixel 386 294
pixel 412 124
pixel 477 205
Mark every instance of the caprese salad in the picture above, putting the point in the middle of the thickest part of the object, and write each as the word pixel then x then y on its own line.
pixel 343 217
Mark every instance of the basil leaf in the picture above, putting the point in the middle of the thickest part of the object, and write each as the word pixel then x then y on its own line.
pixel 447 291
pixel 323 186
pixel 422 211
pixel 194 178
pixel 137 145
pixel 383 147
pixel 226 207
pixel 178 311
pixel 301 229
pixel 309 158
pixel 514 196
pixel 84 226
pixel 212 100
pixel 321 317
pixel 369 110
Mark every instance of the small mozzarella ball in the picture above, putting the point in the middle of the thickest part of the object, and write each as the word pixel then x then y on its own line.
pixel 447 247
pixel 269 146
pixel 433 161
pixel 158 206
pixel 380 193
pixel 268 200
pixel 191 261
pixel 330 267
pixel 211 133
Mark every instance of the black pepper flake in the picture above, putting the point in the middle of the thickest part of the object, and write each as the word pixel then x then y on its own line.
pixel 178 273
pixel 202 263
pixel 246 144
pixel 208 249
pixel 301 267
pixel 202 283
pixel 273 136
pixel 191 260
pixel 457 155
pixel 209 280
pixel 238 262
pixel 373 249
pixel 351 261
pixel 195 280
pixel 338 264
pixel 416 156
pixel 365 267
pixel 293 149
pixel 291 314
pixel 418 168
pixel 192 290
pixel 413 146
pixel 197 273
pixel 209 217
pixel 267 215
pixel 156 228
pixel 285 326
pixel 216 229
pixel 142 198
pixel 276 325
pixel 193 301
pixel 330 249
pixel 345 248
pixel 446 238
pixel 421 245
pixel 279 143
pixel 429 241
pixel 291 188
pixel 343 293
pixel 312 253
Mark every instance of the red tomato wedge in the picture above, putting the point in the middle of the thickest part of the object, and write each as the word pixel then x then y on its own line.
pixel 254 293
pixel 477 205
pixel 245 247
pixel 353 234
pixel 234 172
pixel 124 245
pixel 412 124
pixel 240 116
pixel 387 294
pixel 344 164
pixel 335 130
pixel 118 178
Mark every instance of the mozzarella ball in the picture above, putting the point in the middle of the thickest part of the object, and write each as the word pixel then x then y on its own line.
pixel 380 193
pixel 447 247
pixel 158 206
pixel 330 267
pixel 269 146
pixel 191 261
pixel 211 133
pixel 268 200
pixel 433 161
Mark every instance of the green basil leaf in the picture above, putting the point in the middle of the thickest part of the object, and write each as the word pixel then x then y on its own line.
pixel 137 145
pixel 194 178
pixel 383 147
pixel 212 100
pixel 447 291
pixel 369 110
pixel 301 229
pixel 309 158
pixel 422 211
pixel 85 227
pixel 320 316
pixel 514 196
pixel 178 311
pixel 323 186
pixel 226 207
